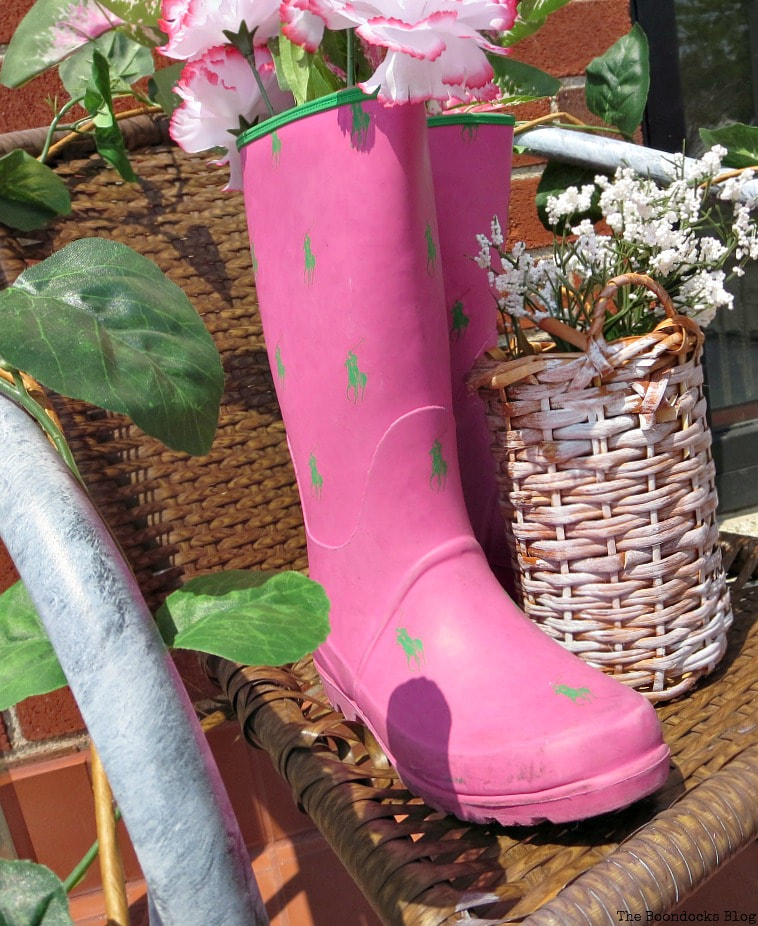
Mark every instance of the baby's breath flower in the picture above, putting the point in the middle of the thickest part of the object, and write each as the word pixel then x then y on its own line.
pixel 670 233
pixel 484 257
pixel 497 234
pixel 569 202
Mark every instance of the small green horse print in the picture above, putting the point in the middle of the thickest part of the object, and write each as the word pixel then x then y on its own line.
pixel 431 250
pixel 281 372
pixel 439 467
pixel 361 123
pixel 276 149
pixel 574 694
pixel 310 260
pixel 413 649
pixel 469 132
pixel 460 321
pixel 356 378
pixel 317 480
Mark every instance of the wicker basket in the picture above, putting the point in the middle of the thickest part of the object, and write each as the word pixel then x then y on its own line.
pixel 607 490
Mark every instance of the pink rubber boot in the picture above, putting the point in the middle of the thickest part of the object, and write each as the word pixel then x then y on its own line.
pixel 471 166
pixel 482 714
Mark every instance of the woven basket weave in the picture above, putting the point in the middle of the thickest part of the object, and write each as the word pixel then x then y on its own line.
pixel 607 490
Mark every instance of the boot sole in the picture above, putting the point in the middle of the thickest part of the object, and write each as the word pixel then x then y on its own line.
pixel 612 790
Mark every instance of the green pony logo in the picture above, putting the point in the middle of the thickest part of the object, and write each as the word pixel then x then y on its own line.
pixel 439 467
pixel 431 250
pixel 356 378
pixel 574 694
pixel 413 649
pixel 317 480
pixel 460 321
pixel 310 260
pixel 281 372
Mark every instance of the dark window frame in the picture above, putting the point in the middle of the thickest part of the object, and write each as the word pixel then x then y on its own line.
pixel 735 429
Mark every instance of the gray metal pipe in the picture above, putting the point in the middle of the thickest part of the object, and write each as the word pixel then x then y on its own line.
pixel 605 154
pixel 137 712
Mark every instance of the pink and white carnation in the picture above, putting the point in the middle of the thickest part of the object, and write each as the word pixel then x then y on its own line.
pixel 193 26
pixel 434 48
pixel 304 21
pixel 216 90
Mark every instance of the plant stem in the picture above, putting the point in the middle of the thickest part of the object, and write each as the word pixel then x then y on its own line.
pixel 89 857
pixel 19 394
pixel 256 74
pixel 111 866
pixel 139 111
pixel 54 125
pixel 571 122
pixel 350 64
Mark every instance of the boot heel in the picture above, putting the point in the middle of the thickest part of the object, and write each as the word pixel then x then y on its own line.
pixel 338 699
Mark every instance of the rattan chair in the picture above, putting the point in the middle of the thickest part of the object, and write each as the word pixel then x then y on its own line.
pixel 238 508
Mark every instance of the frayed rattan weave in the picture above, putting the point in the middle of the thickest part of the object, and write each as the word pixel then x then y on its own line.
pixel 607 488
pixel 237 507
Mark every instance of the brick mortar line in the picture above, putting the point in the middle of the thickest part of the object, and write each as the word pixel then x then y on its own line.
pixel 13 728
pixel 573 83
pixel 52 748
pixel 528 171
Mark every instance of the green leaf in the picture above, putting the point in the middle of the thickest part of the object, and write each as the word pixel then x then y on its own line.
pixel 305 74
pixel 740 141
pixel 99 322
pixel 161 87
pixel 31 895
pixel 255 618
pixel 139 12
pixel 618 82
pixel 140 18
pixel 532 15
pixel 127 62
pixel 28 664
pixel 98 102
pixel 521 81
pixel 50 32
pixel 273 47
pixel 30 193
pixel 556 179
pixel 334 49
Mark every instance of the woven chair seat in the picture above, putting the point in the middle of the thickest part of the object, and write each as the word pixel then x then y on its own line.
pixel 237 508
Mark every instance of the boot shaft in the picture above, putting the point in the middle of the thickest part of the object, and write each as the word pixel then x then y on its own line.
pixel 471 167
pixel 343 228
pixel 471 156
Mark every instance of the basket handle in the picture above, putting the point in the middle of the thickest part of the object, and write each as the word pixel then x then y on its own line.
pixel 582 340
pixel 610 289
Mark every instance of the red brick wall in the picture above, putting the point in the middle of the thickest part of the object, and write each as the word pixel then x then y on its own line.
pixel 24 108
pixel 572 37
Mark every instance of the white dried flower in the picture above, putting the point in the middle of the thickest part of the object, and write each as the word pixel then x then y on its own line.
pixel 569 202
pixel 670 233
pixel 484 257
